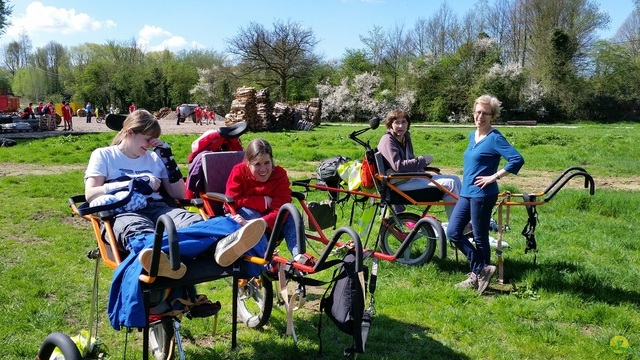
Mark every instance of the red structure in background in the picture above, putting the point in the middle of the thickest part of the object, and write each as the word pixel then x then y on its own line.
pixel 8 102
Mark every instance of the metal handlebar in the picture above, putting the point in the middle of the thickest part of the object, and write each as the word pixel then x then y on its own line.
pixel 556 185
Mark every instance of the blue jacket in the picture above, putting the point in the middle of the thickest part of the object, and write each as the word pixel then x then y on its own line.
pixel 126 305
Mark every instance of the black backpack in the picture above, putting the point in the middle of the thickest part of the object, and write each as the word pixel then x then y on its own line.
pixel 345 305
pixel 46 110
pixel 327 171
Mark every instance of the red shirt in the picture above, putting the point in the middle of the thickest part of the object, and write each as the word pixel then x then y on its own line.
pixel 249 192
pixel 132 108
pixel 66 112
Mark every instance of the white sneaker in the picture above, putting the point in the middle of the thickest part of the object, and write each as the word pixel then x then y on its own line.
pixel 164 266
pixel 232 247
pixel 493 242
pixel 484 278
pixel 470 283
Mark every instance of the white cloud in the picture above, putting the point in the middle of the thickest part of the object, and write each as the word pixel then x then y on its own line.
pixel 43 23
pixel 153 38
pixel 39 19
pixel 149 32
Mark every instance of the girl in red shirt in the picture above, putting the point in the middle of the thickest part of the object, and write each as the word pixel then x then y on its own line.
pixel 259 188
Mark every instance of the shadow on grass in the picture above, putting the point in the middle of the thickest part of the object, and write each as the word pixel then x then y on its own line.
pixel 388 339
pixel 552 276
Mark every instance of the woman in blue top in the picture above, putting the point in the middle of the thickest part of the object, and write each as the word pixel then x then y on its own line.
pixel 479 191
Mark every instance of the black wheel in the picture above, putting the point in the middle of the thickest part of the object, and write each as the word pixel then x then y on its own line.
pixel 255 301
pixel 396 229
pixel 67 347
pixel 162 339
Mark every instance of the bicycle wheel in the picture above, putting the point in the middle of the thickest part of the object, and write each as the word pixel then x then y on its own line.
pixel 255 302
pixel 395 230
pixel 162 339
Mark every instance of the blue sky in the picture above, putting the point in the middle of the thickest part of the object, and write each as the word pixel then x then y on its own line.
pixel 186 24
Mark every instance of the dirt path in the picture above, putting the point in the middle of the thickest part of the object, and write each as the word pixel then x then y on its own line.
pixel 528 180
pixel 80 126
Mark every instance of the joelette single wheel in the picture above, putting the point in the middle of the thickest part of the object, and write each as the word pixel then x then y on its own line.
pixel 162 339
pixel 255 301
pixel 396 229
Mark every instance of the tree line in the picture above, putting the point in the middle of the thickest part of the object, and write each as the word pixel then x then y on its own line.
pixel 540 57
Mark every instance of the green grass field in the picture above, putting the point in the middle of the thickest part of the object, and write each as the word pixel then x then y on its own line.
pixel 583 291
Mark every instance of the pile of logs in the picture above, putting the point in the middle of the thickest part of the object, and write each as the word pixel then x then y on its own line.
pixel 256 109
pixel 164 112
pixel 265 108
pixel 244 108
pixel 283 116
pixel 314 111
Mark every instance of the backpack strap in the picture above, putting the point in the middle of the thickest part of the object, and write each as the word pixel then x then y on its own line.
pixel 529 229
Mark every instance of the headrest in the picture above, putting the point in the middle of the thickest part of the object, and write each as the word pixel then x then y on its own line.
pixel 114 121
pixel 233 131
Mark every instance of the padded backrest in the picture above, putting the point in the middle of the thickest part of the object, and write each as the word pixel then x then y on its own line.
pixel 217 167
pixel 427 194
pixel 380 163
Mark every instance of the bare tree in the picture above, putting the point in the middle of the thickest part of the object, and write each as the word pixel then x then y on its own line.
pixel 579 19
pixel 376 42
pixel 284 53
pixel 396 52
pixel 17 53
pixel 444 29
pixel 12 57
pixel 419 38
pixel 497 21
pixel 629 32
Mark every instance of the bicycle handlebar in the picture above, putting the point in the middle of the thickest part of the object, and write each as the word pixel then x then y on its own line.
pixel 374 122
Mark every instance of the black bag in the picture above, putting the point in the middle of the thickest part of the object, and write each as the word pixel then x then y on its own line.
pixel 345 305
pixel 46 110
pixel 327 171
pixel 323 212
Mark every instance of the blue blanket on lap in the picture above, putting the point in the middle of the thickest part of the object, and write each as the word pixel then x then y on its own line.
pixel 126 305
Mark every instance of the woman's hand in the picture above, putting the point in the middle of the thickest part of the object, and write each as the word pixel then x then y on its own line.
pixel 428 159
pixel 239 219
pixel 155 183
pixel 483 181
pixel 155 142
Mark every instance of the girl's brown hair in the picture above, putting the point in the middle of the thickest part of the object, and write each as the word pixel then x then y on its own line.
pixel 255 148
pixel 139 122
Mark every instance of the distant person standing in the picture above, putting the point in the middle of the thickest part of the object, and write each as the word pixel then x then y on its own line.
pixel 132 107
pixel 198 114
pixel 46 111
pixel 111 110
pixel 67 116
pixel 89 111
pixel 39 108
pixel 178 115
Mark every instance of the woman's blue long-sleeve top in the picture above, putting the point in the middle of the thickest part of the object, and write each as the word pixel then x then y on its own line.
pixel 483 158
